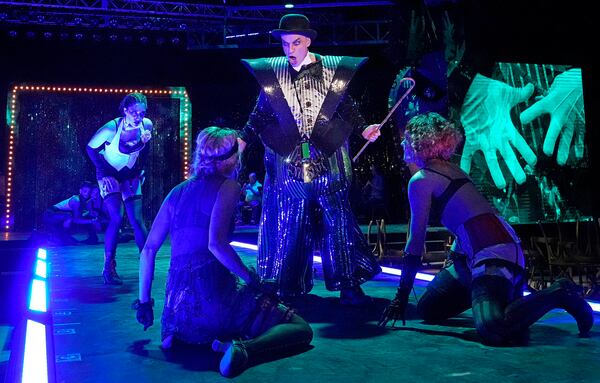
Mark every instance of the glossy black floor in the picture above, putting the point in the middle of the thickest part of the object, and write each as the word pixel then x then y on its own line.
pixel 98 340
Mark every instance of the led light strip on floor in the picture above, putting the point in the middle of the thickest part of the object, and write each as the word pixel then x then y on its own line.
pixel 36 366
pixel 386 270
pixel 392 271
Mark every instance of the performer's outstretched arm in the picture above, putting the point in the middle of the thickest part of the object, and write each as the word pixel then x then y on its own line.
pixel 158 233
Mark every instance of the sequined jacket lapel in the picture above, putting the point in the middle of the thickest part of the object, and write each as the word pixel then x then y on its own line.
pixel 328 134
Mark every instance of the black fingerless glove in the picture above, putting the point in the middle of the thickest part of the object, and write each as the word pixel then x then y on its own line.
pixel 401 298
pixel 145 313
pixel 410 265
pixel 396 309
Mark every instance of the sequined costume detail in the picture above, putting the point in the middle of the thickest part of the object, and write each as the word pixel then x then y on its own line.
pixel 305 202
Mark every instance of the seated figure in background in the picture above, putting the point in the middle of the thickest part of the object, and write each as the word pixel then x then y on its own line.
pixel 68 215
pixel 252 191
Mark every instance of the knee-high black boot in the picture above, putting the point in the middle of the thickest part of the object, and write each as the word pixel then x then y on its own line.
pixel 562 294
pixel 110 270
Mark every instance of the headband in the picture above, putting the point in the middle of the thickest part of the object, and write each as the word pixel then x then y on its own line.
pixel 225 156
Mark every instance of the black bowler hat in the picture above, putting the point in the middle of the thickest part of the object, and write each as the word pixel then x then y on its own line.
pixel 296 24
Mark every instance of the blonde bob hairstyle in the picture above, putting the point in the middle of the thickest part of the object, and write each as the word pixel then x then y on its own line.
pixel 212 144
pixel 432 136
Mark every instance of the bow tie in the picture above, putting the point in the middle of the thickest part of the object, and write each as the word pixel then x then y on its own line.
pixel 313 70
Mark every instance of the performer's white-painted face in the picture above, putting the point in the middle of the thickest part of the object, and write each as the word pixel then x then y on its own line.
pixel 295 47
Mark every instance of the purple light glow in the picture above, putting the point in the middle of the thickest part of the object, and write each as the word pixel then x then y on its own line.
pixel 392 271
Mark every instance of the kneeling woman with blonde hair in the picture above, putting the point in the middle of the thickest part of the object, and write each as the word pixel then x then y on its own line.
pixel 204 301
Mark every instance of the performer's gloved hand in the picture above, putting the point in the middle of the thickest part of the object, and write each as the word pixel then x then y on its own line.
pixel 145 313
pixel 266 287
pixel 254 279
pixel 396 309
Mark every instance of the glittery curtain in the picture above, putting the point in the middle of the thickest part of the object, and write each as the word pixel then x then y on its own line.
pixel 52 132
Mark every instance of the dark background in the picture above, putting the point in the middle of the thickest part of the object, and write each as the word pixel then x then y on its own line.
pixel 222 92
pixel 53 129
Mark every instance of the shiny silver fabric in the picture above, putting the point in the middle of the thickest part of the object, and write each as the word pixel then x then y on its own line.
pixel 306 169
pixel 305 96
pixel 299 218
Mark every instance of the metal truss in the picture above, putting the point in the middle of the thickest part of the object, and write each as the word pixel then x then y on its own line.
pixel 205 25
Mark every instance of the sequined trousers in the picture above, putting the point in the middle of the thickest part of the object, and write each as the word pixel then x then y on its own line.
pixel 300 220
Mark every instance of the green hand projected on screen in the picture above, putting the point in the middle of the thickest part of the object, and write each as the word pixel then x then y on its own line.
pixel 488 127
pixel 564 103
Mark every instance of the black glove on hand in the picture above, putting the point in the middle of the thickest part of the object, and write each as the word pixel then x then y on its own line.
pixel 254 282
pixel 266 287
pixel 145 313
pixel 396 309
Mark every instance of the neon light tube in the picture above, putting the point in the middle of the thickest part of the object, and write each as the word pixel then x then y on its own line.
pixel 37 300
pixel 41 269
pixel 35 364
pixel 392 271
pixel 244 245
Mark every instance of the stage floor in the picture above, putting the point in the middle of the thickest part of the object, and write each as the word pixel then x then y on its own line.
pixel 97 338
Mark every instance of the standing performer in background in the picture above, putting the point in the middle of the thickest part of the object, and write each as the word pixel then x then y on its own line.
pixel 304 117
pixel 487 272
pixel 118 150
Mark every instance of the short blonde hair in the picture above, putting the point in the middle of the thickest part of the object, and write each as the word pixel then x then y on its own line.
pixel 432 136
pixel 211 145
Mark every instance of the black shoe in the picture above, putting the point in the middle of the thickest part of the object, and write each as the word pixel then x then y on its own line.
pixel 111 277
pixel 574 304
pixel 354 296
pixel 235 357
